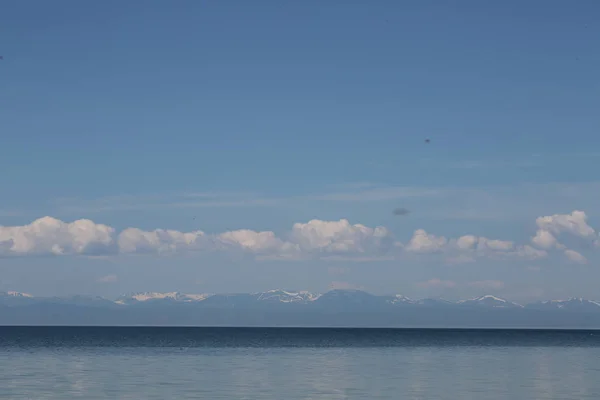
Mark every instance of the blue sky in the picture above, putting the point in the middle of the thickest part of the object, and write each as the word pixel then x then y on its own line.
pixel 220 116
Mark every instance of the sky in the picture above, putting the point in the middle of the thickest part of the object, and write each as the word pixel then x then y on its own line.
pixel 204 146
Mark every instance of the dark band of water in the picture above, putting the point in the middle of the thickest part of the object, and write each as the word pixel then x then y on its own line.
pixel 57 336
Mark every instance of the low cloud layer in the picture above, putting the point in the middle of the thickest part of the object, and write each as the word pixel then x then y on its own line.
pixel 436 283
pixel 313 239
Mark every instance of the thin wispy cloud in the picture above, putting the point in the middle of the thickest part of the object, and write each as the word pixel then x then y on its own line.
pixel 491 164
pixel 337 271
pixel 352 185
pixel 486 284
pixel 436 283
pixel 341 285
pixel 107 279
pixel 10 213
pixel 493 202
pixel 527 161
pixel 378 194
pixel 159 201
pixel 358 259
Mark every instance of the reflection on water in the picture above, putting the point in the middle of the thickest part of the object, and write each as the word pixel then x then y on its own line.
pixel 301 373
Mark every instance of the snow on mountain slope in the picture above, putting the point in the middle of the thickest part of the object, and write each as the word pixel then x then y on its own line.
pixel 571 304
pixel 16 298
pixel 489 301
pixel 435 302
pixel 283 296
pixel 401 299
pixel 17 294
pixel 153 296
pixel 196 297
pixel 338 299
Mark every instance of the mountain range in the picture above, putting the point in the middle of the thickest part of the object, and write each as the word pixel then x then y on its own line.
pixel 294 308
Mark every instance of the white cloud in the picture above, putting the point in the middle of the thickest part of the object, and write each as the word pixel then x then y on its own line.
pixel 482 244
pixel 51 236
pixel 544 239
pixel 423 242
pixel 467 242
pixel 133 240
pixel 257 242
pixel 574 223
pixel 575 256
pixel 529 252
pixel 465 249
pixel 331 240
pixel 340 237
pixel 552 226
pixel 494 245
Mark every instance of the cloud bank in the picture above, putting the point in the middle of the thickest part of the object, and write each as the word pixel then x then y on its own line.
pixel 313 239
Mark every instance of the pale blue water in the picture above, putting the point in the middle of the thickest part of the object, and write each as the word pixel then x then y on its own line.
pixel 205 363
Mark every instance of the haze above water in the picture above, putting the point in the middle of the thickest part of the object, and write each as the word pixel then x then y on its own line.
pixel 221 363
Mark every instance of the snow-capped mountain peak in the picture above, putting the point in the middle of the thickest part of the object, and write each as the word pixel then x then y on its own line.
pixel 284 296
pixel 435 301
pixel 582 301
pixel 488 297
pixel 489 301
pixel 196 297
pixel 149 296
pixel 572 303
pixel 18 294
pixel 401 299
pixel 145 296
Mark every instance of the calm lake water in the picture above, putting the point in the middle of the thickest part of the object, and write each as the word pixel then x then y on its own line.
pixel 231 363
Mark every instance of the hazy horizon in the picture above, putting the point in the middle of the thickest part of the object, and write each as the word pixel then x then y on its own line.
pixel 154 295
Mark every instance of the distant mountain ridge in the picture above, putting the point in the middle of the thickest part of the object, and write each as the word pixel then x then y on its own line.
pixel 334 299
pixel 295 308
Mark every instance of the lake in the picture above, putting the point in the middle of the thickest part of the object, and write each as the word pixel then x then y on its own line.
pixel 294 363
